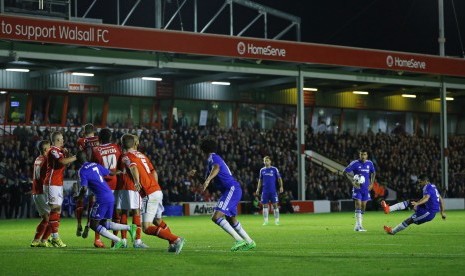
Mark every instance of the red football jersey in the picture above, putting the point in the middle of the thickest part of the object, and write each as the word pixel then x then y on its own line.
pixel 85 143
pixel 38 176
pixel 144 167
pixel 107 155
pixel 55 169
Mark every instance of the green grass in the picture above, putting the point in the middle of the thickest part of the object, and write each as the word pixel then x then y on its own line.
pixel 304 244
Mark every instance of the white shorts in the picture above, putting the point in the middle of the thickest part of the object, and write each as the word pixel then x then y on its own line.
pixel 41 204
pixel 53 195
pixel 127 200
pixel 152 206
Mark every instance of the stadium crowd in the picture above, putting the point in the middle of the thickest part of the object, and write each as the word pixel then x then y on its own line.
pixel 399 159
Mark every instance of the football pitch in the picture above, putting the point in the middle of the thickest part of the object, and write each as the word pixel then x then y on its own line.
pixel 304 244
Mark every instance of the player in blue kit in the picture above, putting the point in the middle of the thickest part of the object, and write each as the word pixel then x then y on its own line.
pixel 425 209
pixel 268 177
pixel 361 191
pixel 226 209
pixel 91 175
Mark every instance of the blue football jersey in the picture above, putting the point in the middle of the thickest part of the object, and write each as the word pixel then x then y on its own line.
pixel 91 176
pixel 364 168
pixel 224 180
pixel 432 205
pixel 269 177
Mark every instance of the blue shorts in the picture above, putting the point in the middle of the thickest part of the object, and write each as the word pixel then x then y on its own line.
pixel 227 204
pixel 102 210
pixel 269 197
pixel 361 194
pixel 422 215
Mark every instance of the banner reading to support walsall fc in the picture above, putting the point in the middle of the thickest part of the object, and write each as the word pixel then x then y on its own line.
pixel 42 30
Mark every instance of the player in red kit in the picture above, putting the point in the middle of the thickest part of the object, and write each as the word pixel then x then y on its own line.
pixel 129 200
pixel 38 177
pixel 86 144
pixel 145 180
pixel 53 184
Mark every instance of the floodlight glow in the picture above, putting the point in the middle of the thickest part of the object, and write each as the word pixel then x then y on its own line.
pixel 152 79
pixel 361 92
pixel 221 83
pixel 310 89
pixel 82 74
pixel 409 96
pixel 17 70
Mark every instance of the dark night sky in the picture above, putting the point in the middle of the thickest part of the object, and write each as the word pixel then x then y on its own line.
pixel 398 25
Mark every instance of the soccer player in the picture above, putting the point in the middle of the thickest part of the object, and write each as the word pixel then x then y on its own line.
pixel 226 209
pixel 86 144
pixel 425 209
pixel 269 175
pixel 145 180
pixel 38 177
pixel 53 185
pixel 129 201
pixel 107 154
pixel 361 192
pixel 92 175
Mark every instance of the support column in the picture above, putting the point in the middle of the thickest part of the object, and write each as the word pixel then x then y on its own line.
pixel 300 137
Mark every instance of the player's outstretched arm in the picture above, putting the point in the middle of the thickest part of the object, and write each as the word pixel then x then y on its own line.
pixel 213 173
pixel 442 208
pixel 423 200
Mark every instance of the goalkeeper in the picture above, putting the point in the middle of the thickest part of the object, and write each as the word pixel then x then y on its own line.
pixel 356 170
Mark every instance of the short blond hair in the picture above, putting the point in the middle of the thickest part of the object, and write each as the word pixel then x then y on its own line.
pixel 128 141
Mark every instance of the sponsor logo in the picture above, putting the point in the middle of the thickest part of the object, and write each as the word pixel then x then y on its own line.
pixel 251 49
pixel 241 48
pixel 389 61
pixel 203 209
pixel 397 62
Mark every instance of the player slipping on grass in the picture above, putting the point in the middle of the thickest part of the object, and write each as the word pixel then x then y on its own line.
pixel 226 209
pixel 91 175
pixel 361 192
pixel 425 209
pixel 86 144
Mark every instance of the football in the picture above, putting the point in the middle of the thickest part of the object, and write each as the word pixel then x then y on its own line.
pixel 358 178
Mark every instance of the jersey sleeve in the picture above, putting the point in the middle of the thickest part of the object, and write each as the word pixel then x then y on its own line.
pixel 429 190
pixel 127 161
pixel 349 168
pixel 372 168
pixel 215 160
pixel 56 154
pixel 80 144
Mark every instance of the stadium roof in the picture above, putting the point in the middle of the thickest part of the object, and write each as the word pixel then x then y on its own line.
pixel 47 46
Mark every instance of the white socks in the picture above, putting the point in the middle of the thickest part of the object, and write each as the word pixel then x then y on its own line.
pixel 228 228
pixel 358 218
pixel 276 215
pixel 265 213
pixel 398 206
pixel 241 232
